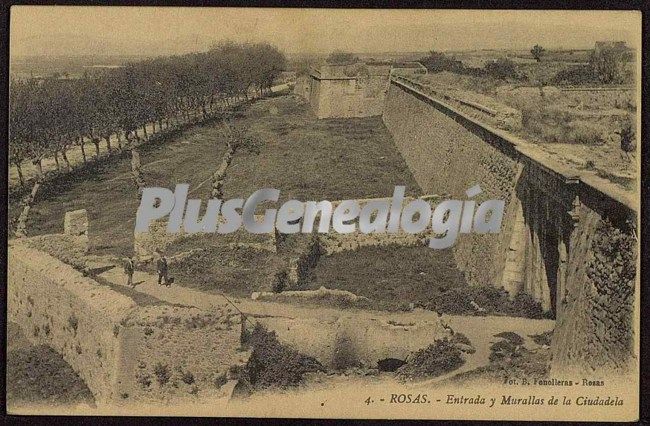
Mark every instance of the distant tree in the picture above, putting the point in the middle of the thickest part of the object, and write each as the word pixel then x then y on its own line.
pixel 19 122
pixel 537 51
pixel 338 57
pixel 47 116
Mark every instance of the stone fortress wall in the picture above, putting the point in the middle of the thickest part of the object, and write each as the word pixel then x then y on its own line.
pixel 552 240
pixel 56 305
pixel 124 351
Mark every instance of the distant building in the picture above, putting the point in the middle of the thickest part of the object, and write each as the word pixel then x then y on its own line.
pixel 346 90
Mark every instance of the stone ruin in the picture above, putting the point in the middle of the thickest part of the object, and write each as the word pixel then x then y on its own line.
pixel 75 224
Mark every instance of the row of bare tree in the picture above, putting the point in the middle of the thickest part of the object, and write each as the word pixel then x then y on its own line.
pixel 49 116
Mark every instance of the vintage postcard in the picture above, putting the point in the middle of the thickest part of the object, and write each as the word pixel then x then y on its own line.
pixel 324 213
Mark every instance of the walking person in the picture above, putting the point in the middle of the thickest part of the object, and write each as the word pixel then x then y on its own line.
pixel 162 267
pixel 129 269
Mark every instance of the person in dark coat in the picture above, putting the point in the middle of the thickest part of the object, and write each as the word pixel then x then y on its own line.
pixel 129 269
pixel 162 267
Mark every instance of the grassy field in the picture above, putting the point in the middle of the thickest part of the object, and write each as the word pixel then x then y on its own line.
pixel 391 277
pixel 312 159
pixel 300 155
pixel 110 196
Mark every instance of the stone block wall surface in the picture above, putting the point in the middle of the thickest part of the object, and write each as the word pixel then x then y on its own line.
pixel 75 223
pixel 57 306
pixel 595 335
pixel 446 158
pixel 564 241
pixel 359 96
pixel 351 341
pixel 123 351
pixel 175 353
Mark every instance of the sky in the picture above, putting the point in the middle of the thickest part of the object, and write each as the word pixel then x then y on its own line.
pixel 73 30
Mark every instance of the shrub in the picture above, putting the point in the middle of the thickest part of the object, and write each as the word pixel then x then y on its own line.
pixel 436 359
pixel 501 68
pixel 610 64
pixel 280 281
pixel 144 380
pixel 543 339
pixel 453 301
pixel 187 377
pixel 492 299
pixel 502 349
pixel 460 338
pixel 220 380
pixel 511 337
pixel 438 62
pixel 575 76
pixel 73 322
pixel 162 373
pixel 585 133
pixel 272 364
pixel 524 305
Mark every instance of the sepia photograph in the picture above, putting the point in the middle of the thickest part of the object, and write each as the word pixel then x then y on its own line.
pixel 323 213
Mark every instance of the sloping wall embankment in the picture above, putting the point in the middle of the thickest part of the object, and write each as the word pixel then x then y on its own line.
pixel 446 159
pixel 566 240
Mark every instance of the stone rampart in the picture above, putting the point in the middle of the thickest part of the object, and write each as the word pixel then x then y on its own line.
pixel 553 223
pixel 124 351
pixel 57 306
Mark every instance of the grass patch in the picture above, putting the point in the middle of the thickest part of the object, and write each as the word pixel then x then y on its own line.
pixel 401 275
pixel 236 271
pixel 435 360
pixel 274 365
pixel 426 278
pixel 310 159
